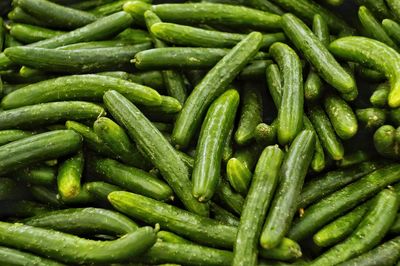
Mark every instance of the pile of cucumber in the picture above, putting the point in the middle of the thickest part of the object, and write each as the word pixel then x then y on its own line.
pixel 208 132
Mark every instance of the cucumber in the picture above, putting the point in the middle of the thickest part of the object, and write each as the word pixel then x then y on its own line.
pixel 248 155
pixel 365 51
pixel 69 177
pixel 115 137
pixel 17 14
pixel 275 86
pixel 394 116
pixel 137 9
pixel 100 190
pixel 250 114
pixel 392 28
pixel 370 74
pixel 169 237
pixel 152 79
pixel 368 234
pixel 318 162
pixel 265 5
pixel 26 33
pixel 46 196
pixel 217 123
pixel 97 45
pixel 255 70
pixel 265 134
pixel 355 157
pixel 56 15
pixel 21 208
pixel 49 113
pixel 292 173
pixel 75 250
pixel 394 8
pixel 229 198
pixel 223 216
pixel 11 135
pixel 321 29
pixel 130 178
pixel 378 7
pixel 371 118
pixel 317 54
pixel 380 95
pixel 313 87
pixel 287 250
pixel 227 150
pixel 332 181
pixel 211 86
pixel 257 201
pixel 10 256
pixel 324 211
pixel 40 147
pixel 133 36
pixel 88 4
pixel 79 87
pixel 386 141
pixel 341 115
pixel 2 35
pixel 373 28
pixel 36 175
pixel 108 8
pixel 332 145
pixel 84 221
pixel 75 61
pixel 156 147
pixel 220 14
pixel 238 175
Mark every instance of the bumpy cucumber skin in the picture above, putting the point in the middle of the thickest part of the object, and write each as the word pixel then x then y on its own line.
pixel 29 34
pixel 292 174
pixel 230 199
pixel 324 211
pixel 392 28
pixel 380 95
pixel 290 113
pixel 387 141
pixel 10 256
pixel 274 81
pixel 69 177
pixel 211 86
pixel 257 201
pixel 373 54
pixel 162 154
pixel 49 113
pixel 238 175
pixel 217 123
pixel 100 190
pixel 76 250
pixel 11 135
pixel 369 233
pixel 371 117
pixel 37 148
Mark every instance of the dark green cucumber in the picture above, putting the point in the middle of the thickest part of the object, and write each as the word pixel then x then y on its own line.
pixel 379 8
pixel 183 58
pixel 11 135
pixel 152 79
pixel 372 117
pixel 395 229
pixel 321 29
pixel 37 175
pixel 22 208
pixel 255 70
pixel 256 205
pixel 326 133
pixel 369 232
pixel 313 87
pixel 56 15
pixel 17 14
pixel 265 5
pixel 40 147
pixel 373 28
pixel 341 115
pixel 133 36
pixel 220 14
pixel 108 8
pixel 394 116
pixel 265 134
pixel 292 173
pixel 211 86
pixel 317 54
pixel 26 33
pixel 238 175
pixel 227 151
pixel 222 215
pixel 275 86
pixel 69 177
pixel 318 162
pixel 76 250
pixel 169 237
pixel 250 114
pixel 217 123
pixel 248 155
pixel 387 141
pixel 332 181
pixel 380 95
pixel 394 7
pixel 230 199
pixel 49 113
pixel 75 61
pixel 365 51
pixel 9 256
pixel 79 87
pixel 84 221
pixel 137 9
pixel 370 74
pixel 162 155
pixel 345 199
pixel 290 113
pixel 46 196
pixel 119 143
pixel 100 190
pixel 2 35
pixel 392 28
pixel 355 157
pixel 130 178
pixel 97 45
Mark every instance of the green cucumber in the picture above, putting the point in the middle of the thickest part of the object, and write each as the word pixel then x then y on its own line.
pixel 394 116
pixel 79 87
pixel 369 232
pixel 169 105
pixel 17 14
pixel 84 221
pixel 341 115
pixel 250 114
pixel 2 35
pixel 46 196
pixel 162 155
pixel 317 54
pixel 372 117
pixel 318 162
pixel 40 147
pixel 108 8
pixel 119 143
pixel 97 45
pixel 326 133
pixel 292 173
pixel 133 36
pixel 222 215
pixel 313 87
pixel 324 211
pixel 257 202
pixel 100 189
pixel 355 157
pixel 76 250
pixel 217 123
pixel 332 181
pixel 49 113
pixel 378 7
pixel 130 178
pixel 10 256
pixel 220 14
pixel 21 208
pixel 11 135
pixel 275 86
pixel 265 134
pixel 88 4
pixel 230 199
pixel 152 79
pixel 26 33
pixel 137 9
pixel 248 155
pixel 373 54
pixel 227 151
pixel 69 177
pixel 392 28
pixel 238 175
pixel 56 15
pixel 211 86
pixel 370 74
pixel 265 5
pixel 394 7
pixel 36 175
pixel 321 29
pixel 380 95
pixel 290 113
pixel 387 141
pixel 169 237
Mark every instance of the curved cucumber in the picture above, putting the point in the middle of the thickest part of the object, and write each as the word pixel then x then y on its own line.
pixel 217 123
pixel 49 113
pixel 40 147
pixel 76 250
pixel 69 177
pixel 10 256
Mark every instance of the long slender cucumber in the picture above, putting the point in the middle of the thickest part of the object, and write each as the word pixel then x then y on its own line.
pixel 26 33
pixel 10 256
pixel 11 135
